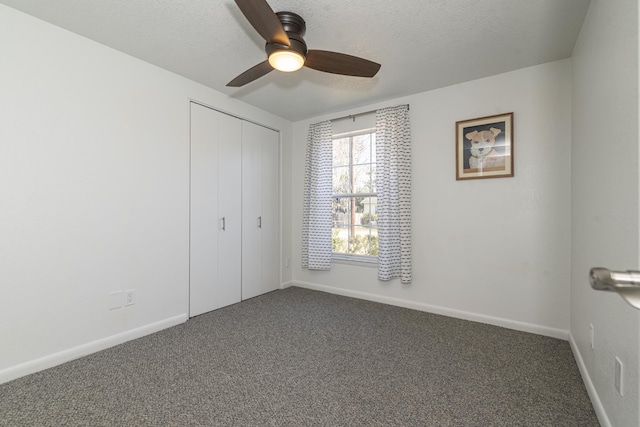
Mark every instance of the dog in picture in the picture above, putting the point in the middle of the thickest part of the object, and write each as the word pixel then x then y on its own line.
pixel 483 155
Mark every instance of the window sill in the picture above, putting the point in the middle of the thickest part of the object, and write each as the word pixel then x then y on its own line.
pixel 355 260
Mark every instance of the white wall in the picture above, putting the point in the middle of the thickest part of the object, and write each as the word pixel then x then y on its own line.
pixel 94 193
pixel 493 250
pixel 605 197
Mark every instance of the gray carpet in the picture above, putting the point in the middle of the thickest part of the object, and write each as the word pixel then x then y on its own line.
pixel 298 357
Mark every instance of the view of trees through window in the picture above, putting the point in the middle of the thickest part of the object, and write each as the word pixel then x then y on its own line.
pixel 355 218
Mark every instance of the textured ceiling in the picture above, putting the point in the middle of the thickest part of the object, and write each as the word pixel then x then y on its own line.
pixel 421 44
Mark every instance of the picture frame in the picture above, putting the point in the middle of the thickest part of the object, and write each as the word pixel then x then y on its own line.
pixel 484 147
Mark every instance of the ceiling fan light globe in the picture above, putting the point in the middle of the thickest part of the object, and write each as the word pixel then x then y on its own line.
pixel 286 60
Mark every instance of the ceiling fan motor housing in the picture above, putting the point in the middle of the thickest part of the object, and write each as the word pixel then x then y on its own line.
pixel 295 27
pixel 292 23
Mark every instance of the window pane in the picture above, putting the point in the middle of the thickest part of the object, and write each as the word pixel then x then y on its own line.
pixel 341 152
pixel 341 181
pixel 363 241
pixel 358 209
pixel 340 211
pixel 341 208
pixel 362 179
pixel 369 215
pixel 361 149
pixel 340 239
pixel 373 242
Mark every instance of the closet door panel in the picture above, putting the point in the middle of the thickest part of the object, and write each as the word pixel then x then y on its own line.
pixel 270 211
pixel 260 195
pixel 203 245
pixel 229 211
pixel 251 210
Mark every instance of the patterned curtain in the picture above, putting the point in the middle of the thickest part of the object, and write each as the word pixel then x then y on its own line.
pixel 316 219
pixel 393 159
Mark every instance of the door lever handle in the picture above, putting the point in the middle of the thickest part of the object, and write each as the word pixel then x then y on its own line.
pixel 604 279
pixel 625 283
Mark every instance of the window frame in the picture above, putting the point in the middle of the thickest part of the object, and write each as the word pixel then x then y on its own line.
pixel 346 258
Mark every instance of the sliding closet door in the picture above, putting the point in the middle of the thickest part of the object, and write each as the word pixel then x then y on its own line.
pixel 270 211
pixel 215 233
pixel 230 211
pixel 203 244
pixel 260 201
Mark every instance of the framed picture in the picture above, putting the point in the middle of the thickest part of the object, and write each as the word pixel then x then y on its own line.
pixel 484 147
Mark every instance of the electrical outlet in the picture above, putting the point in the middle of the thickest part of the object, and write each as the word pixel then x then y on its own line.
pixel 619 376
pixel 286 263
pixel 129 297
pixel 592 336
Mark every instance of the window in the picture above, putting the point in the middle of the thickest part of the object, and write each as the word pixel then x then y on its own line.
pixel 355 230
pixel 357 188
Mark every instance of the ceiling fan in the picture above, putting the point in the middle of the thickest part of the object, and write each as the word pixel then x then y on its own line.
pixel 286 49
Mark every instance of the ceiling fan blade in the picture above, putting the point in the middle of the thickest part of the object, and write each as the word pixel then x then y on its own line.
pixel 251 74
pixel 264 20
pixel 340 63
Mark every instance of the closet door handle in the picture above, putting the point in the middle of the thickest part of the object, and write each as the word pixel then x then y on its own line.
pixel 223 224
pixel 259 222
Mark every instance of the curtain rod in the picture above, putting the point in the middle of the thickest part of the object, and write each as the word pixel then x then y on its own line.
pixel 353 116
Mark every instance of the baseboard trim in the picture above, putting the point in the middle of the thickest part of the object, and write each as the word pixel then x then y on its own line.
pixel 286 285
pixel 475 317
pixel 61 357
pixel 591 389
